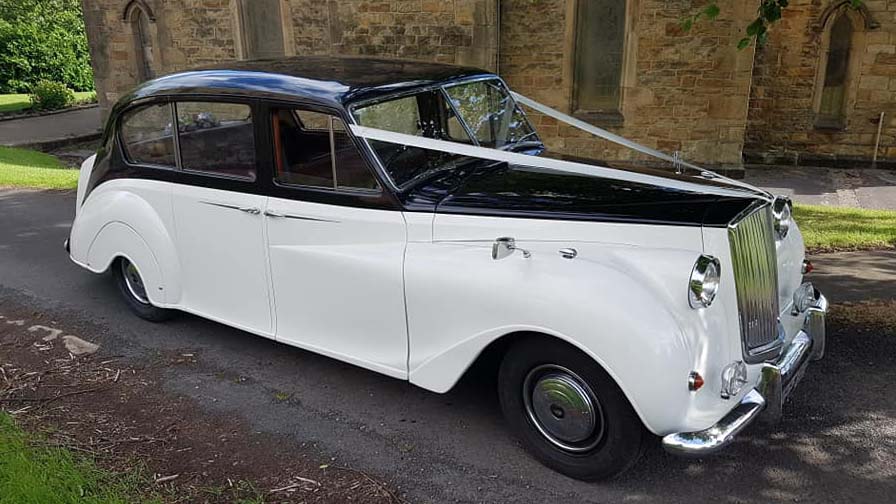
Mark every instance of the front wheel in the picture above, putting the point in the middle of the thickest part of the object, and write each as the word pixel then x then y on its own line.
pixel 131 286
pixel 568 411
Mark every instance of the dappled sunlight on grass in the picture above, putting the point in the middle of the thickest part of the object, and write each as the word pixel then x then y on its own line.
pixel 21 102
pixel 837 228
pixel 32 169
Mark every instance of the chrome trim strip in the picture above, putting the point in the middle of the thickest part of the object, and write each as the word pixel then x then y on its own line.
pixel 280 215
pixel 248 210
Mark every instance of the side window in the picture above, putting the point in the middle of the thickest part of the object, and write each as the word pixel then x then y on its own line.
pixel 401 115
pixel 217 138
pixel 314 149
pixel 147 135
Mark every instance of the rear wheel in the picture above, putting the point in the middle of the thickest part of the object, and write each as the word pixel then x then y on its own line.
pixel 568 411
pixel 132 288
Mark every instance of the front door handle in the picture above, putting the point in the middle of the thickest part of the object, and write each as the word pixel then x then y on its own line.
pixel 250 210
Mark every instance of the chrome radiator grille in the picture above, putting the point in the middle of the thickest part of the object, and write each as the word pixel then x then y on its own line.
pixel 755 267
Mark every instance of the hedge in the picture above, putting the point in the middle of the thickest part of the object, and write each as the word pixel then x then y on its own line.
pixel 43 40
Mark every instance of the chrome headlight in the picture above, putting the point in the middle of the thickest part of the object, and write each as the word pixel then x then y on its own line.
pixel 704 283
pixel 783 212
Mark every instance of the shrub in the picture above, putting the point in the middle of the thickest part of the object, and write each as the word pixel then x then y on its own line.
pixel 49 95
pixel 43 40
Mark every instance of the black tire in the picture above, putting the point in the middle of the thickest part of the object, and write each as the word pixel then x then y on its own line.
pixel 130 291
pixel 533 368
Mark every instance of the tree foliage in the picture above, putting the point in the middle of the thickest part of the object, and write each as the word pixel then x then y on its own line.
pixel 768 13
pixel 43 40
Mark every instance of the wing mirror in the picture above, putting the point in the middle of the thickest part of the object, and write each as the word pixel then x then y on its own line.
pixel 505 247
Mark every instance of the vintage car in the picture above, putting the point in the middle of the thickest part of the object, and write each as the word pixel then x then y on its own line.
pixel 407 218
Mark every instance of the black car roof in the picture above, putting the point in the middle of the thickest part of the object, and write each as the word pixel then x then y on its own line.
pixel 330 80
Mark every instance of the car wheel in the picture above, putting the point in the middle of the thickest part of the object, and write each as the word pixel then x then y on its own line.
pixel 568 411
pixel 131 285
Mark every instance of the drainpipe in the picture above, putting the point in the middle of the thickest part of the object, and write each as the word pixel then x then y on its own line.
pixel 498 37
pixel 880 127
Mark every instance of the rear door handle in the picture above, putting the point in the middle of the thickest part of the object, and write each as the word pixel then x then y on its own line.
pixel 250 210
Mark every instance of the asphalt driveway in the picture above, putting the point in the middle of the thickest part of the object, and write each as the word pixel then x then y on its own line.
pixel 837 442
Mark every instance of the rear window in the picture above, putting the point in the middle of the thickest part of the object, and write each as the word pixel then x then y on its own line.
pixel 147 135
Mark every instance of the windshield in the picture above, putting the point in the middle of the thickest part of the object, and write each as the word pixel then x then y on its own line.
pixel 488 116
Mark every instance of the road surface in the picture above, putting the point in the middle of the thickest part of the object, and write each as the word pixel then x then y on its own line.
pixel 837 442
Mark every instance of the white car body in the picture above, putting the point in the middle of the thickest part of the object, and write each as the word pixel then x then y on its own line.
pixel 418 296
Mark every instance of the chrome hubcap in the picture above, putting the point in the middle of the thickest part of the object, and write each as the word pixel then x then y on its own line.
pixel 563 408
pixel 133 281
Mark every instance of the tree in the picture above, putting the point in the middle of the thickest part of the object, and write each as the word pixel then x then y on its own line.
pixel 768 13
pixel 43 40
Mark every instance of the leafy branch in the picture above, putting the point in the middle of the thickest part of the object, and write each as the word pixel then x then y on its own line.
pixel 768 13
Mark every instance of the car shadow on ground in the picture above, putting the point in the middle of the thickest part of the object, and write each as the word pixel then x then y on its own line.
pixel 837 441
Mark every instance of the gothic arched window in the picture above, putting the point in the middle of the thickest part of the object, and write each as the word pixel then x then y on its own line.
pixel 141 20
pixel 832 106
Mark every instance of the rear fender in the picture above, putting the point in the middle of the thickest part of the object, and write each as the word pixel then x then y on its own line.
pixel 118 221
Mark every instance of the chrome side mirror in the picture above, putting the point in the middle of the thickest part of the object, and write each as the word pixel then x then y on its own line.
pixel 505 247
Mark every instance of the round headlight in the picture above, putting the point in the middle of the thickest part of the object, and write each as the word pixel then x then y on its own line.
pixel 783 211
pixel 704 283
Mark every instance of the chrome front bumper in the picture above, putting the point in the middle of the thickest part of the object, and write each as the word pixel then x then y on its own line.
pixel 766 401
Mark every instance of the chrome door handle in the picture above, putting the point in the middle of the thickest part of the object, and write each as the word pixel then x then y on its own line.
pixel 250 210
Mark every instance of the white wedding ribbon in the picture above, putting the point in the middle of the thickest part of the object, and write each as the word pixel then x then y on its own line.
pixel 620 140
pixel 736 189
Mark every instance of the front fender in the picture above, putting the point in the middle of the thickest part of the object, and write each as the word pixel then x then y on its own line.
pixel 624 306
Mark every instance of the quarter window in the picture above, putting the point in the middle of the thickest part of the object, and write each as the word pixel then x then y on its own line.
pixel 217 138
pixel 314 149
pixel 147 135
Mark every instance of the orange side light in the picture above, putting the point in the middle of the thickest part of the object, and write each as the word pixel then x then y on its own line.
pixel 695 381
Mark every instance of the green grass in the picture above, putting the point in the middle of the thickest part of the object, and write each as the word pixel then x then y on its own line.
pixel 837 228
pixel 10 103
pixel 33 473
pixel 31 169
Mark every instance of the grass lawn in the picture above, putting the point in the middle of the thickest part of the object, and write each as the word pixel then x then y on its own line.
pixel 837 228
pixel 32 472
pixel 21 102
pixel 31 169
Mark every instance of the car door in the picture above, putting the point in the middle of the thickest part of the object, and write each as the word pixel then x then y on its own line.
pixel 219 216
pixel 336 255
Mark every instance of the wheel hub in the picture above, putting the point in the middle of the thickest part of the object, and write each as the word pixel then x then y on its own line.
pixel 563 408
pixel 133 281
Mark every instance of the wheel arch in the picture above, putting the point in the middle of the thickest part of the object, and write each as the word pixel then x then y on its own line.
pixel 488 359
pixel 117 222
